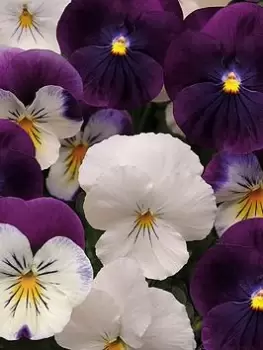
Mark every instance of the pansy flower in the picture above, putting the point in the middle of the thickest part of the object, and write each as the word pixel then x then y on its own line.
pixel 38 92
pixel 62 180
pixel 44 272
pixel 129 307
pixel 20 173
pixel 238 184
pixel 149 197
pixel 30 23
pixel 119 56
pixel 215 80
pixel 227 289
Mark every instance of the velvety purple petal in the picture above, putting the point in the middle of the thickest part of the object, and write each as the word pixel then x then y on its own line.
pixel 246 233
pixel 35 69
pixel 233 326
pixel 73 27
pixel 191 58
pixel 20 175
pixel 105 123
pixel 41 219
pixel 154 33
pixel 197 19
pixel 221 170
pixel 233 23
pixel 213 119
pixel 14 137
pixel 120 82
pixel 225 273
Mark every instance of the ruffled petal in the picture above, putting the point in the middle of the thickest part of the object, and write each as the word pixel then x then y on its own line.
pixel 123 280
pixel 170 154
pixel 170 327
pixel 42 219
pixel 89 326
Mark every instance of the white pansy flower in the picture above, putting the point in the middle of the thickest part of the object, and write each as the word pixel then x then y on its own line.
pixel 118 305
pixel 149 208
pixel 30 23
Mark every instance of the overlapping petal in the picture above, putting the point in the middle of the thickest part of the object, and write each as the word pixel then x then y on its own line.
pixel 197 19
pixel 62 180
pixel 42 219
pixel 38 68
pixel 38 292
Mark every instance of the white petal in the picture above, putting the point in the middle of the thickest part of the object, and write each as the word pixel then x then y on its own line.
pixel 62 181
pixel 52 103
pixel 116 195
pixel 46 16
pixel 170 328
pixel 90 322
pixel 188 204
pixel 162 97
pixel 10 107
pixel 15 259
pixel 227 215
pixel 171 122
pixel 47 146
pixel 74 271
pixel 124 281
pixel 155 154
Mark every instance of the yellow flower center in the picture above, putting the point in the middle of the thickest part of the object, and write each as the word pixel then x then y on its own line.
pixel 257 301
pixel 251 205
pixel 29 127
pixel 119 46
pixel 231 84
pixel 27 287
pixel 117 344
pixel 74 160
pixel 145 220
pixel 26 18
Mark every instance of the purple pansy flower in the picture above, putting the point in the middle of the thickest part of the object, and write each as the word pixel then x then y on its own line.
pixel 227 289
pixel 20 173
pixel 119 55
pixel 38 91
pixel 44 272
pixel 215 79
pixel 62 181
pixel 238 184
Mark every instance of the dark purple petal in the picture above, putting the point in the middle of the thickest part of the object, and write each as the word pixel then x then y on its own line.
pixel 191 58
pixel 42 219
pixel 214 119
pixel 35 69
pixel 74 29
pixel 197 19
pixel 154 32
pixel 225 273
pixel 120 82
pixel 219 171
pixel 233 326
pixel 233 23
pixel 14 137
pixel 20 175
pixel 246 233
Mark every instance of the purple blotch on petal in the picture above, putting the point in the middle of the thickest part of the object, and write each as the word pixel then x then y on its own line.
pixel 24 333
